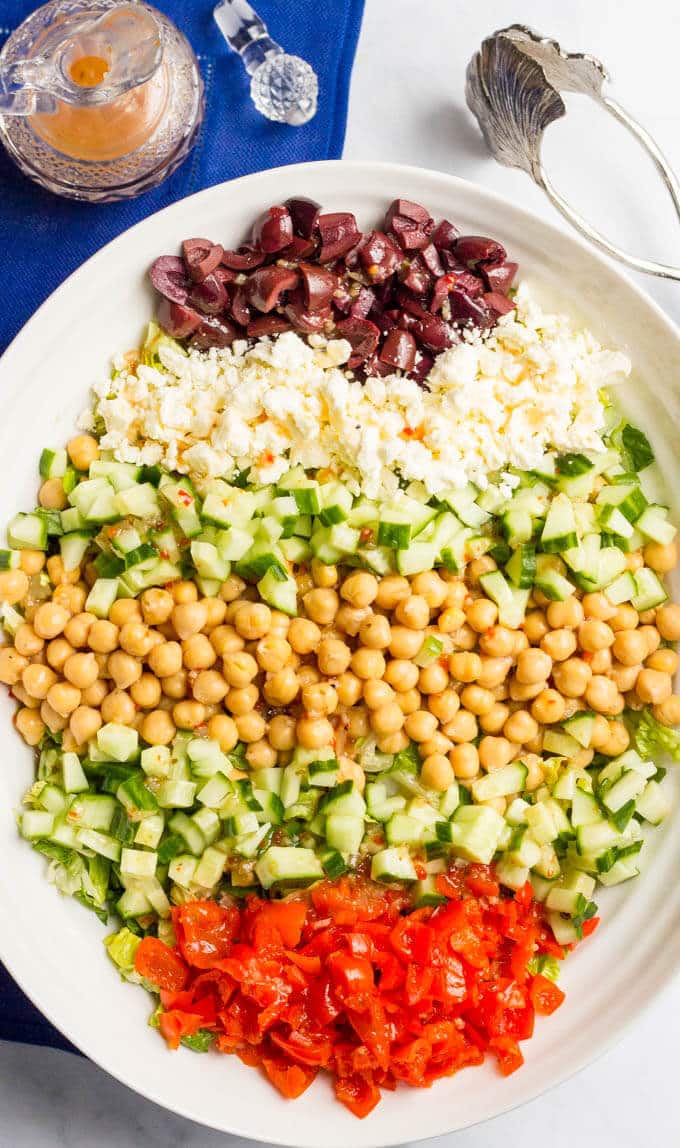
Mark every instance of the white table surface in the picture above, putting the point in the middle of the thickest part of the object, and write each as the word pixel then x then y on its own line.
pixel 407 106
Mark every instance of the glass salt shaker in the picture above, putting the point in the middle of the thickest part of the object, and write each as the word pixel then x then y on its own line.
pixel 99 100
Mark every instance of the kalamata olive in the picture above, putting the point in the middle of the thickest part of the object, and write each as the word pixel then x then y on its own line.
pixel 474 249
pixel 430 257
pixel 435 334
pixel 224 274
pixel 265 286
pixel 410 306
pixel 178 320
pixel 451 262
pixel 440 292
pixel 409 235
pixel 408 209
pixel 444 235
pixel 201 257
pixel 298 249
pixel 245 259
pixel 267 325
pixel 415 276
pixel 362 303
pixel 422 368
pixel 240 307
pixel 214 332
pixel 363 337
pixel 379 256
pixel 374 367
pixel 399 350
pixel 304 213
pixel 470 283
pixel 339 233
pixel 209 297
pixel 386 320
pixel 169 276
pixel 499 276
pixel 303 319
pixel 273 230
pixel 466 309
pixel 498 303
pixel 343 298
pixel 318 284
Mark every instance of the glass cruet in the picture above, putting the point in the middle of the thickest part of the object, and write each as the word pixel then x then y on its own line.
pixel 99 100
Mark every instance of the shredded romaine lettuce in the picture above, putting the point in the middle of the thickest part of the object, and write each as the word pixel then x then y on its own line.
pixel 121 947
pixel 652 737
pixel 201 1041
pixel 156 338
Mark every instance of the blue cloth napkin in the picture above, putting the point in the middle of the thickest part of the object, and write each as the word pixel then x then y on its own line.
pixel 43 238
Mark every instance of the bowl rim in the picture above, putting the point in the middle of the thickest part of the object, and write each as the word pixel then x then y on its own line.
pixel 392 172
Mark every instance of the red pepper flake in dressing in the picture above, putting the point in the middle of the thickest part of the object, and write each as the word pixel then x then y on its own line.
pixel 184 497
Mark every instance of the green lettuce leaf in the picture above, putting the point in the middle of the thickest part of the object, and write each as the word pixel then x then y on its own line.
pixel 651 737
pixel 201 1041
pixel 121 947
pixel 636 445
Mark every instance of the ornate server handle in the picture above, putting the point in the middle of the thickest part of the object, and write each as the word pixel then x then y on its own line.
pixel 513 89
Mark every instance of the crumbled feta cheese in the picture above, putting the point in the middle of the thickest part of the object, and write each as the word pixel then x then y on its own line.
pixel 492 402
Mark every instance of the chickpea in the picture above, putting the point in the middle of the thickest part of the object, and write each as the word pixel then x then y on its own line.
pixel 30 725
pixel 83 450
pixel 52 495
pixel 521 727
pixel 494 672
pixel 222 729
pixel 667 621
pixel 495 718
pixel 118 706
pixel 431 587
pixel 625 618
pixel 437 773
pixel 146 692
pixel 216 610
pixel 72 598
pixel 184 592
pixel 165 659
pixel 321 606
pixel 303 635
pixel 401 674
pixel 386 719
pixel 199 654
pixel 323 575
pixel 225 640
pixel 209 687
pixel 405 643
pixel 77 629
pixel 595 635
pixel 37 680
pixel 349 618
pixel 367 663
pixel 124 669
pixel 48 620
pixel 433 679
pixel 482 614
pixel 375 632
pixel 392 742
pixel 466 638
pixel 359 588
pixel 465 667
pixel 598 606
pixel 477 700
pixel 495 752
pixel 281 732
pixel 413 612
pixel 617 741
pixel 668 711
pixel 242 699
pixel 232 588
pixel 571 677
pixel 651 686
pixel 102 636
pixel 189 618
pixel 63 698
pixel 253 620
pixel 12 665
pixel 333 656
pixel 536 626
pixel 630 647
pixel 533 666
pixel 125 610
pixel 31 561
pixel 634 561
pixel 357 722
pixel 602 695
pixel 26 641
pixel 421 725
pixel 81 670
pixel 314 733
pixel 444 706
pixel 660 558
pixel 565 615
pixel 601 661
pixel 456 591
pixel 94 695
pixel 497 642
pixel 560 644
pixel 176 686
pixel 464 760
pixel 319 699
pixel 665 660
pixel 409 701
pixel 158 728
pixel 261 755
pixel 462 727
pixel 188 714
pixel 20 694
pixel 273 652
pixel 535 773
pixel 600 732
pixel 391 590
pixel 54 721
pixel 349 689
pixel 479 566
pixel 282 687
pixel 157 606
pixel 450 620
pixel 548 707
pixel 376 693
pixel 84 723
pixel 624 677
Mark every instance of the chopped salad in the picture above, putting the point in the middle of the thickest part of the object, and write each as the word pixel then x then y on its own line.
pixel 342 721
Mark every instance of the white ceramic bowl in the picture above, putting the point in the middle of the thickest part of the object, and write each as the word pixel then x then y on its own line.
pixel 53 947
